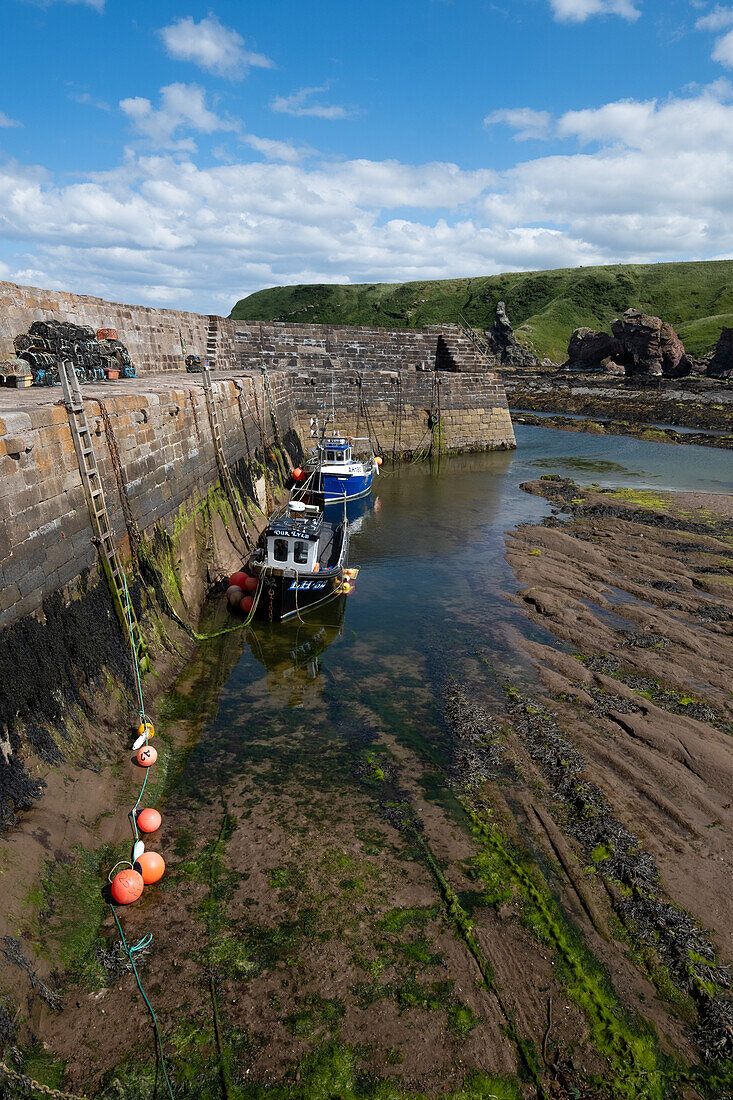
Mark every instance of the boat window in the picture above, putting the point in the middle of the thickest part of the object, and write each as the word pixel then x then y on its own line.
pixel 300 553
pixel 330 456
pixel 280 549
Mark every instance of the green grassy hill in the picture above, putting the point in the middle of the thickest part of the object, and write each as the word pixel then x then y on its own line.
pixel 544 306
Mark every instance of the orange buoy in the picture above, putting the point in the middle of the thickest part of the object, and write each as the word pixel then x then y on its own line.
pixel 148 821
pixel 250 585
pixel 127 886
pixel 146 755
pixel 234 594
pixel 298 474
pixel 378 460
pixel 150 866
pixel 238 579
pixel 317 567
pixel 146 729
pixel 246 604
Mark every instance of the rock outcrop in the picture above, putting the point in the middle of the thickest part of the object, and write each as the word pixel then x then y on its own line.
pixel 640 345
pixel 505 347
pixel 721 364
pixel 588 348
pixel 650 346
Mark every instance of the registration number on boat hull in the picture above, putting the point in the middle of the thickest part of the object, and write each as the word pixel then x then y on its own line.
pixel 299 586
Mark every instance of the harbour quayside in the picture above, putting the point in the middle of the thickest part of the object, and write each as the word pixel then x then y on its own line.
pixel 299 564
pixel 334 474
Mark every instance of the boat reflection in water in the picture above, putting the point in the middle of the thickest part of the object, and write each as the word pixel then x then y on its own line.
pixel 290 650
pixel 355 510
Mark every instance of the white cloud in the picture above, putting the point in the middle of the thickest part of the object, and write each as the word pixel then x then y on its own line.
pixel 641 181
pixel 212 46
pixel 527 122
pixel 90 100
pixel 274 150
pixel 723 50
pixel 716 20
pixel 181 106
pixel 577 11
pixel 8 122
pixel 301 103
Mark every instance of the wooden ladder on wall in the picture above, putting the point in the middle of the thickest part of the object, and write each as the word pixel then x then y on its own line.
pixel 102 535
pixel 225 475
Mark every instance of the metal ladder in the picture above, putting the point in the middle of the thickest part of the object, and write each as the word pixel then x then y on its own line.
pixel 224 473
pixel 94 492
pixel 212 339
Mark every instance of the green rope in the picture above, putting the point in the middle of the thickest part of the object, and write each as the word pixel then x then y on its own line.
pixel 129 951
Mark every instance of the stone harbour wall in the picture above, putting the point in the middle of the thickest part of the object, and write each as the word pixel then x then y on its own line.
pixel 167 462
pixel 397 406
pixel 394 384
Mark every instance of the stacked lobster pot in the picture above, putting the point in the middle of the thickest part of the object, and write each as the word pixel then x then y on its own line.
pixel 95 356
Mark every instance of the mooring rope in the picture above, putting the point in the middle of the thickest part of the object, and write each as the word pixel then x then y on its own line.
pixel 130 951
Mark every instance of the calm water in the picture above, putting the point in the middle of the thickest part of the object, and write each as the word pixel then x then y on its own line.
pixel 430 599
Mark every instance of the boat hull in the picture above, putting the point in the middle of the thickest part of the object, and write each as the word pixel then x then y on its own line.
pixel 350 487
pixel 287 597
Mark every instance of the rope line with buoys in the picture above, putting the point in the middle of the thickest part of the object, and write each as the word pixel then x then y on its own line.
pixel 145 868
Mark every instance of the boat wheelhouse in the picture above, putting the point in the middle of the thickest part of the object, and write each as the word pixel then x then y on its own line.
pixel 337 474
pixel 300 560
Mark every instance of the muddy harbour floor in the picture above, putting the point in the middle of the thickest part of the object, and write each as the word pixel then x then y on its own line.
pixel 468 834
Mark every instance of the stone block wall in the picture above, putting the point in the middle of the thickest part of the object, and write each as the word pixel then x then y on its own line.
pixel 152 336
pixel 167 461
pixel 396 404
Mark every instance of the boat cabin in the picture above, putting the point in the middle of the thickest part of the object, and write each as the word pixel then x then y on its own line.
pixel 335 451
pixel 292 539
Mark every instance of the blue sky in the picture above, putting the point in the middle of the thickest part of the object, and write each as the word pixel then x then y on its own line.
pixel 186 154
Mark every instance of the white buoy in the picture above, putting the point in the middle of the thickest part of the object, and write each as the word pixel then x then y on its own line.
pixel 138 849
pixel 139 741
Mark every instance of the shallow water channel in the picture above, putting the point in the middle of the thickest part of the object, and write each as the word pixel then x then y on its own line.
pixel 323 923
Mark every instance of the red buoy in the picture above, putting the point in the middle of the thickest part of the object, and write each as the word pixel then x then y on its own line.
pixel 250 585
pixel 298 474
pixel 127 886
pixel 234 594
pixel 146 755
pixel 246 604
pixel 150 867
pixel 238 579
pixel 148 821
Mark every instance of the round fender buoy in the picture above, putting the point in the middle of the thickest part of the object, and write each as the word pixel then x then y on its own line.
pixel 378 460
pixel 298 474
pixel 346 587
pixel 234 594
pixel 148 821
pixel 127 886
pixel 146 756
pixel 150 866
pixel 250 585
pixel 146 729
pixel 238 579
pixel 246 604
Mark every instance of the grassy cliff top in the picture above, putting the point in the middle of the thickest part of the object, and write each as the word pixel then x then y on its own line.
pixel 544 306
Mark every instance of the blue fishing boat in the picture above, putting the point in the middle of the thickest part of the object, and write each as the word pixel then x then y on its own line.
pixel 335 475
